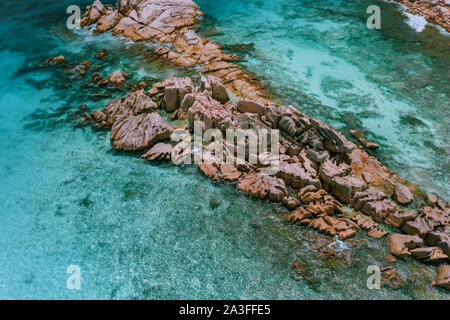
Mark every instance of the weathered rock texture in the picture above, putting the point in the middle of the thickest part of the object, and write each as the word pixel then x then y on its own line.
pixel 319 169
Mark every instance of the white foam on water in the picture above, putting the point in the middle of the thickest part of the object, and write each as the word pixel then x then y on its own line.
pixel 339 245
pixel 416 22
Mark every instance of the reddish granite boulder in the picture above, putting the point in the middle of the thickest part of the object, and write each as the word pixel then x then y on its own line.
pixel 421 226
pixel 332 139
pixel 398 219
pixel 135 103
pixel 210 113
pixel 175 90
pixel 165 16
pixel 402 194
pixel 344 188
pixel 330 169
pixel 139 132
pixel 431 199
pixel 343 228
pixel 218 90
pixel 440 237
pixel 250 106
pixel 295 175
pixel 263 186
pixel 375 203
pixel 116 78
pixel 229 172
pixel 108 21
pixel 93 13
pixel 429 254
pixel 290 202
pixel 209 169
pixel 443 277
pixel 364 222
pixel 399 244
pixel 160 152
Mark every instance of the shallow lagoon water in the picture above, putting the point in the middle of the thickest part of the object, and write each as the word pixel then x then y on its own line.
pixel 140 230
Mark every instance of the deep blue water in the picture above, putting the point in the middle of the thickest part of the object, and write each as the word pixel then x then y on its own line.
pixel 140 230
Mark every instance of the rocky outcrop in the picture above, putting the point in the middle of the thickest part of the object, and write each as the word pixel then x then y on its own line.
pixel 137 132
pixel 209 112
pixel 166 16
pixel 290 202
pixel 366 143
pixel 218 90
pixel 209 170
pixel 440 237
pixel 315 158
pixel 108 21
pixel 421 226
pixel 330 169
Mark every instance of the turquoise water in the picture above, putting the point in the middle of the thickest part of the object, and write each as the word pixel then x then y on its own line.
pixel 148 231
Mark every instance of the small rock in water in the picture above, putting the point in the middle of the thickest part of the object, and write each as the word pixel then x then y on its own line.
pixel 390 258
pixel 214 203
pixel 28 278
pixel 117 78
pixel 101 54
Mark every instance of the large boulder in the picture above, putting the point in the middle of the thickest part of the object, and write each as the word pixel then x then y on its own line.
pixel 295 175
pixel 160 152
pixel 175 91
pixel 402 194
pixel 375 203
pixel 332 139
pixel 429 254
pixel 139 132
pixel 251 106
pixel 135 103
pixel 263 186
pixel 218 90
pixel 165 15
pixel 440 237
pixel 229 172
pixel 344 188
pixel 93 13
pixel 421 226
pixel 330 169
pixel 400 244
pixel 443 277
pixel 398 219
pixel 108 21
pixel 210 113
